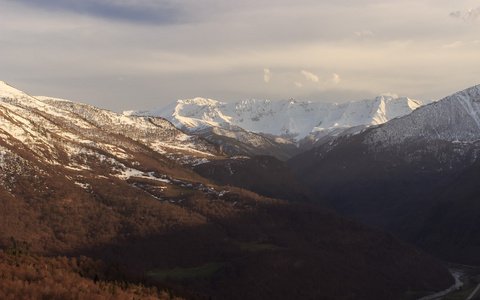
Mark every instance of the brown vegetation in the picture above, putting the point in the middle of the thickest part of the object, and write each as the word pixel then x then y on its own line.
pixel 25 276
pixel 56 202
pixel 312 253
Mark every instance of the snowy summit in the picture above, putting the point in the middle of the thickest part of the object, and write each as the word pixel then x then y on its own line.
pixel 289 119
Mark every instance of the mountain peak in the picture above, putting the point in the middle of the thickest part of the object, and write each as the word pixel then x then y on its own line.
pixel 290 119
pixel 472 93
pixel 9 91
pixel 453 119
pixel 10 94
pixel 199 101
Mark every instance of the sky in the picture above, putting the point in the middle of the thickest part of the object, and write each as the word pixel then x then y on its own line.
pixel 140 54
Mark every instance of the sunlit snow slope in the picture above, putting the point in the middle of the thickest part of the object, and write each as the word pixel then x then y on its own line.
pixel 50 127
pixel 290 119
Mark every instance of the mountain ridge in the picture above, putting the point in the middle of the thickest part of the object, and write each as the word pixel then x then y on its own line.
pixel 394 176
pixel 278 128
pixel 298 119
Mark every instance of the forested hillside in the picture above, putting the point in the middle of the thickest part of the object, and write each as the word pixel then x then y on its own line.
pixel 74 191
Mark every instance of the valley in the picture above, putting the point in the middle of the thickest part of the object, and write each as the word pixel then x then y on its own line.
pixel 143 202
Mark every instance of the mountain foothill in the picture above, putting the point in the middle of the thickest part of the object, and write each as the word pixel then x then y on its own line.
pixel 365 200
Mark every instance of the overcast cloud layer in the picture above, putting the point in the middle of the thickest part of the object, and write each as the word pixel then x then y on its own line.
pixel 136 54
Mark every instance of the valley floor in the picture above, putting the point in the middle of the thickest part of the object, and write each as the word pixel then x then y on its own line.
pixel 457 274
pixel 467 284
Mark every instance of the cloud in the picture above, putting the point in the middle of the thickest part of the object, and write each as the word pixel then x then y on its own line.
pixel 140 11
pixel 221 52
pixel 471 15
pixel 335 78
pixel 453 45
pixel 364 33
pixel 266 75
pixel 310 76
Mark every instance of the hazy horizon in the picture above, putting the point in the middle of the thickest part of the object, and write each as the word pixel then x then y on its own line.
pixel 127 54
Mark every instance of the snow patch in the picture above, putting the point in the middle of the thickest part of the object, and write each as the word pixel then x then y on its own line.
pixel 130 172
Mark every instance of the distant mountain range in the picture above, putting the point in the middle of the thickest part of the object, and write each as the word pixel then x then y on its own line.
pixel 278 128
pixel 119 196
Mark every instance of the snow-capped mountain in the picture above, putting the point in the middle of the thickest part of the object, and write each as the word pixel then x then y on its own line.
pixel 39 134
pixel 23 114
pixel 156 133
pixel 454 119
pixel 278 128
pixel 403 174
pixel 450 123
pixel 290 119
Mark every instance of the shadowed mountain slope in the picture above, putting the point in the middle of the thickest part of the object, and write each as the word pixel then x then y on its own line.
pixel 398 176
pixel 72 186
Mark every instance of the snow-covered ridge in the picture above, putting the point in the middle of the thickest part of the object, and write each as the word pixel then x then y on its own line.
pixel 455 119
pixel 290 119
pixel 7 90
pixel 41 123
